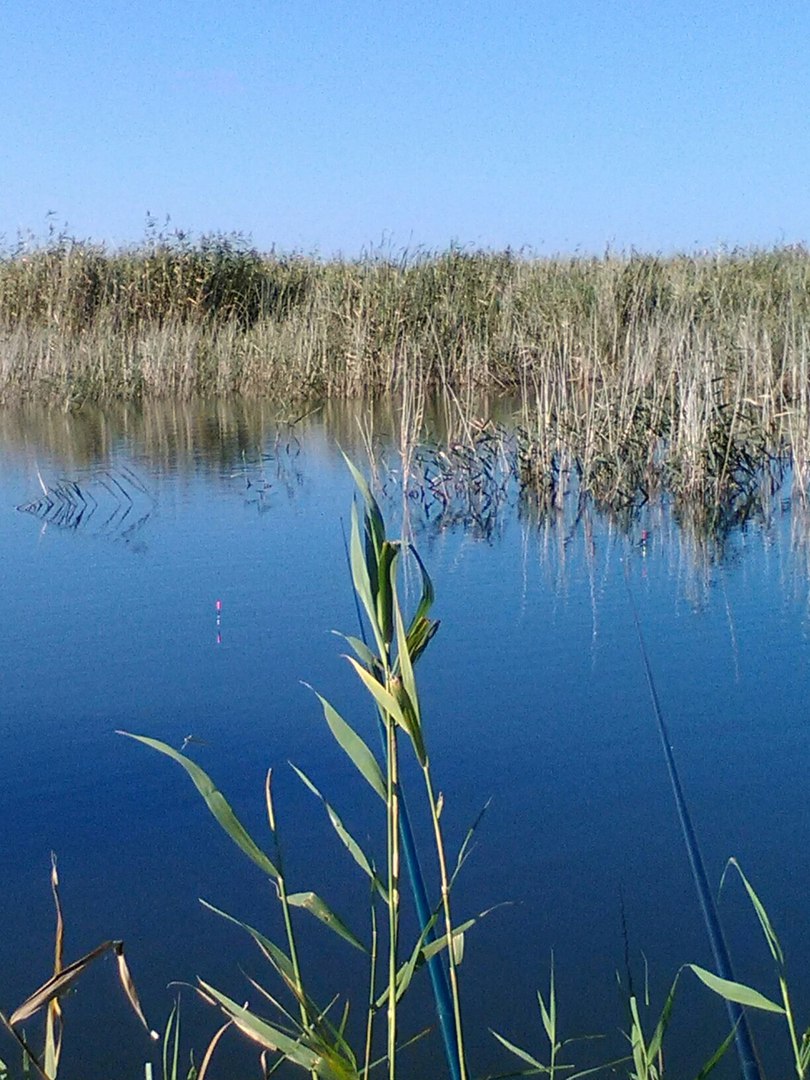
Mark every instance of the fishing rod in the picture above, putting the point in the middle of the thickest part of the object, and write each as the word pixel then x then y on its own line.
pixel 739 1020
pixel 436 970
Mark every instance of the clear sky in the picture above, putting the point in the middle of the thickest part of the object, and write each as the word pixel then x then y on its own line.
pixel 326 126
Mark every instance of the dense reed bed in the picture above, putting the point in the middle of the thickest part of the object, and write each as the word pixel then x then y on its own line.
pixel 632 372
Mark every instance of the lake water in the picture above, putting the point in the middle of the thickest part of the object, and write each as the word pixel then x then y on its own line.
pixel 533 692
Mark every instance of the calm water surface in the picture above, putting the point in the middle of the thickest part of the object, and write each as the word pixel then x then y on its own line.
pixel 533 691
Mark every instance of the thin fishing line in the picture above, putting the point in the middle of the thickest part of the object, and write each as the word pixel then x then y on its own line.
pixel 742 1032
pixel 438 975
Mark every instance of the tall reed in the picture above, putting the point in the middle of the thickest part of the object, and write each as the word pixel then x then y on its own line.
pixel 305 1036
pixel 632 371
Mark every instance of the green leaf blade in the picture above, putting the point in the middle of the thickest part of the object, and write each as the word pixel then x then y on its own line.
pixel 215 801
pixel 734 991
pixel 352 745
pixel 767 928
pixel 345 836
pixel 385 700
pixel 270 1036
pixel 313 903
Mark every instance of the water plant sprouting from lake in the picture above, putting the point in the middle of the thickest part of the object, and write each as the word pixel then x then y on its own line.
pixel 308 1035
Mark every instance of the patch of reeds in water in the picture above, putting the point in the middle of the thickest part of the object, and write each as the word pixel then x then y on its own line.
pixel 633 373
pixel 455 468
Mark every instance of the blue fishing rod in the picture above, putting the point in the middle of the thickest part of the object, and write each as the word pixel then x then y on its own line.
pixel 739 1020
pixel 436 970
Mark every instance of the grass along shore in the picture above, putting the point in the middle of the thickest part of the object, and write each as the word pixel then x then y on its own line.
pixel 633 372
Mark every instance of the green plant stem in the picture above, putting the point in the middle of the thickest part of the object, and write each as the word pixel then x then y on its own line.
pixel 281 887
pixel 794 1042
pixel 438 976
pixel 371 991
pixel 288 929
pixel 392 800
pixel 448 920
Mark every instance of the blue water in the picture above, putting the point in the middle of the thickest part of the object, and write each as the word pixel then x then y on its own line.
pixel 533 694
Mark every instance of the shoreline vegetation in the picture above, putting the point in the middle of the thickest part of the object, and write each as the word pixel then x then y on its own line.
pixel 632 373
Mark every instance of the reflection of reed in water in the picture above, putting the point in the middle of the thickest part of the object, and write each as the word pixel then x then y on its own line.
pixel 800 550
pixel 113 503
pixel 464 484
pixel 462 462
pixel 168 436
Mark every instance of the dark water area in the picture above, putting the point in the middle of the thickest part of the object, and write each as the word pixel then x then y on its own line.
pixel 533 694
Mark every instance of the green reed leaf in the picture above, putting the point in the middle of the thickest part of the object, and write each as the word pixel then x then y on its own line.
pixel 359 565
pixel 170 1050
pixel 734 991
pixel 386 588
pixel 466 847
pixel 216 803
pixel 345 836
pixel 415 960
pixel 313 903
pixel 372 510
pixel 549 1014
pixel 364 586
pixel 641 1058
pixel 441 942
pixel 409 723
pixel 421 952
pixel 364 653
pixel 522 1055
pixel 411 965
pixel 400 1047
pixel 276 956
pixel 804 1051
pixel 386 701
pixel 419 636
pixel 407 692
pixel 428 594
pixel 352 745
pixel 458 947
pixel 272 1037
pixel 767 929
pixel 404 663
pixel 717 1056
pixel 663 1023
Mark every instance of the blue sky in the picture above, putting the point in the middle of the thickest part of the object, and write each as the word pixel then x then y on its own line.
pixel 338 126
